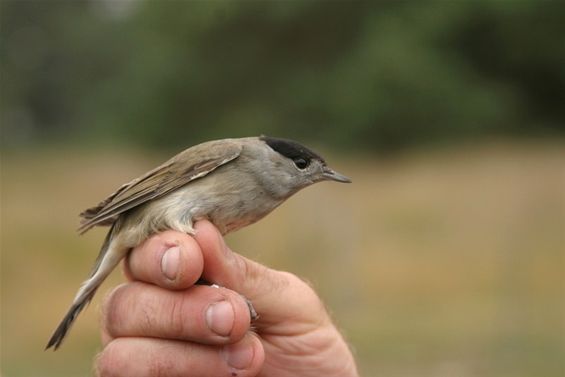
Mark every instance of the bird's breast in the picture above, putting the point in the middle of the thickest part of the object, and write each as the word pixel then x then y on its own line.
pixel 229 206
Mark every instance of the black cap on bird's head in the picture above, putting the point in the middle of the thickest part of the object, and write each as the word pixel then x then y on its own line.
pixel 302 157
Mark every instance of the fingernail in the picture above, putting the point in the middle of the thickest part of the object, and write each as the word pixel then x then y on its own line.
pixel 220 318
pixel 170 263
pixel 239 355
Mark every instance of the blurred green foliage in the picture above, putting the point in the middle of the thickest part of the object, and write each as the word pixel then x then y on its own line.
pixel 374 75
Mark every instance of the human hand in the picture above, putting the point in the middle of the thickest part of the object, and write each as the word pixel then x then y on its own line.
pixel 161 324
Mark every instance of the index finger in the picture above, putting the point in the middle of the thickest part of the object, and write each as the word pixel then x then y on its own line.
pixel 170 259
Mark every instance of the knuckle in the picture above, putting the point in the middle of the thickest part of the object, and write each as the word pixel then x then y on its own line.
pixel 284 279
pixel 161 367
pixel 111 308
pixel 307 297
pixel 177 314
pixel 110 361
pixel 122 357
pixel 251 272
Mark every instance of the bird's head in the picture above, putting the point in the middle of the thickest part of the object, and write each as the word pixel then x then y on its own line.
pixel 290 166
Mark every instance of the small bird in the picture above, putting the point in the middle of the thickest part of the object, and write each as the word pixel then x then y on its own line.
pixel 230 182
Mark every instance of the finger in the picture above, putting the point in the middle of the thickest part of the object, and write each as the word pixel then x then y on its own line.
pixel 277 296
pixel 145 357
pixel 202 314
pixel 169 259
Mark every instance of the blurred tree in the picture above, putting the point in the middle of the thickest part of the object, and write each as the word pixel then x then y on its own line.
pixel 374 75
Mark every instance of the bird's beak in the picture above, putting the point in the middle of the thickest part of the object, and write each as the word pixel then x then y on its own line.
pixel 332 175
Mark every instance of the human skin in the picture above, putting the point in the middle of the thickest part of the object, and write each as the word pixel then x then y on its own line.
pixel 160 323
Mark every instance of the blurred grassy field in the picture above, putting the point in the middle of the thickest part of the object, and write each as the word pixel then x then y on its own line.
pixel 436 263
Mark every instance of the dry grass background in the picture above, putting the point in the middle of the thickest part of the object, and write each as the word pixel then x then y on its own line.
pixel 437 263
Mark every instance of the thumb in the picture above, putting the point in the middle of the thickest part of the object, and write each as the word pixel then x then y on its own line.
pixel 280 298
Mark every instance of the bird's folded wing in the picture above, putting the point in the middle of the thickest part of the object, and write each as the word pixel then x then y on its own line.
pixel 191 164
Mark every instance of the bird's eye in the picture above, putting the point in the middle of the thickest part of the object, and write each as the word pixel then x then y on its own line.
pixel 300 163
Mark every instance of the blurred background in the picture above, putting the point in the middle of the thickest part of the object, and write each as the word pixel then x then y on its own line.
pixel 445 257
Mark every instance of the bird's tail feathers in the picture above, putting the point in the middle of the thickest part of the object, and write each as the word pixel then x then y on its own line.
pixel 111 254
pixel 80 302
